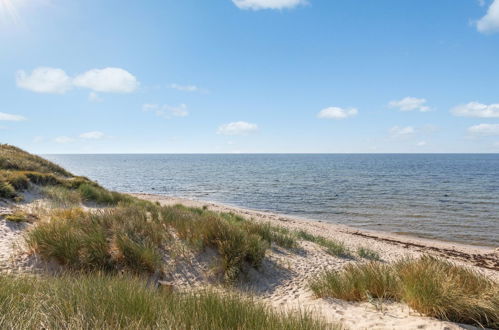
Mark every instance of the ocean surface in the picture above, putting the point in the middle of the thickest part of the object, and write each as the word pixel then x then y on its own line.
pixel 453 197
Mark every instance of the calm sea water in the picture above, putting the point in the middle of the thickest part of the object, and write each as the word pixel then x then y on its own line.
pixel 454 197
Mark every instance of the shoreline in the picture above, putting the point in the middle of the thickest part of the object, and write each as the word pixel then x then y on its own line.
pixel 484 257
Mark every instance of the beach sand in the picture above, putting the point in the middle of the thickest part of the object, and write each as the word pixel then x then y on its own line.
pixel 283 279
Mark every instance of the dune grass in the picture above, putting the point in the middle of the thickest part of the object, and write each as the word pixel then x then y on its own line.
pixel 358 282
pixel 134 237
pixel 431 286
pixel 7 190
pixel 96 301
pixel 333 247
pixel 108 239
pixel 239 242
pixel 62 197
pixel 368 253
pixel 21 216
pixel 13 158
pixel 19 170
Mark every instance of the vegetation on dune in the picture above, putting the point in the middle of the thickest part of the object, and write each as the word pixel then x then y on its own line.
pixel 96 301
pixel 134 236
pixel 21 216
pixel 13 158
pixel 431 286
pixel 19 170
pixel 368 253
pixel 108 239
pixel 7 190
pixel 358 282
pixel 333 247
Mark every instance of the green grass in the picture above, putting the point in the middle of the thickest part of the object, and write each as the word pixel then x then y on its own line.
pixel 109 239
pixel 358 282
pixel 13 158
pixel 7 190
pixel 237 242
pixel 368 253
pixel 333 247
pixel 60 196
pixel 91 192
pixel 443 290
pixel 96 301
pixel 20 216
pixel 19 170
pixel 18 180
pixel 135 236
pixel 431 286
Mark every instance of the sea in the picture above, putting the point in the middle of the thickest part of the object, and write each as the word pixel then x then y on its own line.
pixel 451 197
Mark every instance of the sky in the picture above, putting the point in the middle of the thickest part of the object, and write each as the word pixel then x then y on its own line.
pixel 250 76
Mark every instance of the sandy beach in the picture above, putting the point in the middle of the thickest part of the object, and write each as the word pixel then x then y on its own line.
pixel 283 279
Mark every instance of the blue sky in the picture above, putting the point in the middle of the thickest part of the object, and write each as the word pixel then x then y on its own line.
pixel 224 76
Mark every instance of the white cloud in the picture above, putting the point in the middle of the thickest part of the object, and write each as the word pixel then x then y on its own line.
pixel 398 131
pixel 94 97
pixel 109 80
pixel 44 80
pixel 63 139
pixel 185 88
pixel 337 113
pixel 421 143
pixel 490 22
pixel 475 109
pixel 56 81
pixel 484 129
pixel 237 128
pixel 410 104
pixel 268 4
pixel 10 117
pixel 93 135
pixel 166 111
